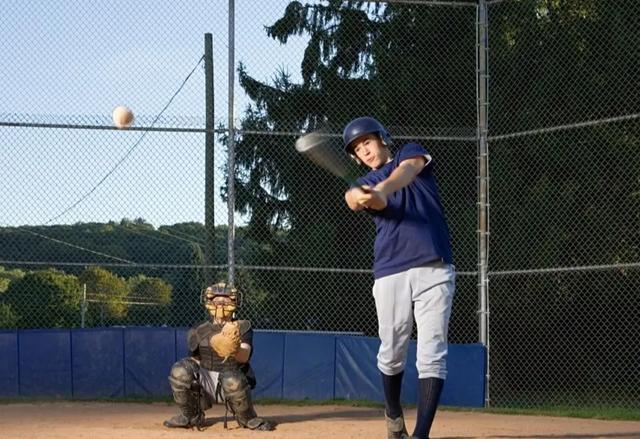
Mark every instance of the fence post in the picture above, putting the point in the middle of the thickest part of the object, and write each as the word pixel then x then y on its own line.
pixel 209 162
pixel 83 305
pixel 482 82
pixel 231 161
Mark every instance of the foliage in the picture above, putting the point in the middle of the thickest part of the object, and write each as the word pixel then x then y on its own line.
pixel 108 291
pixel 148 300
pixel 7 276
pixel 561 198
pixel 8 318
pixel 149 289
pixel 45 298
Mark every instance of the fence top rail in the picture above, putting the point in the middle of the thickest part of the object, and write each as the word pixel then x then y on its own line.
pixel 630 265
pixel 589 123
pixel 107 127
pixel 433 3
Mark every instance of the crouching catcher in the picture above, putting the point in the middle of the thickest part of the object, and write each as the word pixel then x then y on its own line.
pixel 217 369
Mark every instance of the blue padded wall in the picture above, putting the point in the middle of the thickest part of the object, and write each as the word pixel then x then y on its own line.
pixel 114 362
pixel 182 349
pixel 409 393
pixel 466 376
pixel 97 362
pixel 9 372
pixel 45 363
pixel 149 354
pixel 309 371
pixel 267 361
pixel 357 375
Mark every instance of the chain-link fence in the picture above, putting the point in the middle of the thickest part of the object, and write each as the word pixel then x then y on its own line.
pixel 105 227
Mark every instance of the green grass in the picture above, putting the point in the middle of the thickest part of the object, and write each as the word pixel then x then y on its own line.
pixel 606 413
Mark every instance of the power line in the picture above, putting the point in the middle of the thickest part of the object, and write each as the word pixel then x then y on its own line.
pixel 73 245
pixel 129 152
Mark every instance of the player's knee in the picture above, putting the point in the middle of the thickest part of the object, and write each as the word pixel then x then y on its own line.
pixel 233 381
pixel 390 368
pixel 182 375
pixel 436 369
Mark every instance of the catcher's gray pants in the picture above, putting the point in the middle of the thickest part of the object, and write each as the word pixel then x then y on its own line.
pixel 209 380
pixel 425 293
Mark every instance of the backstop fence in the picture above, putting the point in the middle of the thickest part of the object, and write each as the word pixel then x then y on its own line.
pixel 530 109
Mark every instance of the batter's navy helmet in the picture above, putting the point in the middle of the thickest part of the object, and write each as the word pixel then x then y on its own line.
pixel 361 126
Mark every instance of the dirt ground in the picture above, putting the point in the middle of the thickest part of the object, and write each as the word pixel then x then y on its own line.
pixel 132 420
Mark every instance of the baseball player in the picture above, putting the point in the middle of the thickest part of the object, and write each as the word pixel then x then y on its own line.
pixel 217 369
pixel 413 265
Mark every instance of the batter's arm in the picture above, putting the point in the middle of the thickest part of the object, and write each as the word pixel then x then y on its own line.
pixel 400 177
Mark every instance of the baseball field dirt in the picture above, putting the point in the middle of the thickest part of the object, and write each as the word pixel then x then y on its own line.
pixel 107 420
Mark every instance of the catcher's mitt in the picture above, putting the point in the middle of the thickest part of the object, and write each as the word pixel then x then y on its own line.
pixel 227 342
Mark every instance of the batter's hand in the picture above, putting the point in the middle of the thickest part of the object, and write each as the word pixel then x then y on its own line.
pixel 371 198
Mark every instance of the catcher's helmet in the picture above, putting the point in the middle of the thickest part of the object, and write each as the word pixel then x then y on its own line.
pixel 220 310
pixel 361 126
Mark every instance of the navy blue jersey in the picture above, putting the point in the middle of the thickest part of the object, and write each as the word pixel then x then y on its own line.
pixel 412 230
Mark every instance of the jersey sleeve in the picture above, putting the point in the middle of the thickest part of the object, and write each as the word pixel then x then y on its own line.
pixel 411 150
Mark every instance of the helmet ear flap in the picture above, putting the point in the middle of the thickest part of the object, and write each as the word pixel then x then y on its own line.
pixel 385 138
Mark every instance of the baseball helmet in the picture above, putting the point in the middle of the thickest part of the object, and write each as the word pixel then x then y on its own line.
pixel 361 126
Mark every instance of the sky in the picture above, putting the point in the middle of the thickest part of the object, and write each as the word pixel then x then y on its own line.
pixel 72 62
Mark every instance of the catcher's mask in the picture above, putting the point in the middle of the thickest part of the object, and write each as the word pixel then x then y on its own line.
pixel 220 301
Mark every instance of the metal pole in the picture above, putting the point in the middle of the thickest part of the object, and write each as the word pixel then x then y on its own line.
pixel 83 306
pixel 231 150
pixel 209 161
pixel 482 87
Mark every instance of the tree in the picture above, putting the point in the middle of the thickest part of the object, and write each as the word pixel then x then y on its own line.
pixel 8 318
pixel 149 299
pixel 107 296
pixel 389 61
pixel 44 299
pixel 7 276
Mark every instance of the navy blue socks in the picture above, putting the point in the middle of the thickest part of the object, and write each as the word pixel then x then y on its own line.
pixel 428 398
pixel 392 385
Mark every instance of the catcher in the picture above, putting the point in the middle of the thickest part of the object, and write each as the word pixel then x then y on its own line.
pixel 217 369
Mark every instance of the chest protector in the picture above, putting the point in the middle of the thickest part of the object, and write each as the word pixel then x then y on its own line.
pixel 198 342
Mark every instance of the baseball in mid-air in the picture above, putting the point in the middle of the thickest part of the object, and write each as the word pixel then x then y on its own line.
pixel 122 117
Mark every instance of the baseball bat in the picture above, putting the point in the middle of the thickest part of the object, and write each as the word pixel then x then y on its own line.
pixel 321 150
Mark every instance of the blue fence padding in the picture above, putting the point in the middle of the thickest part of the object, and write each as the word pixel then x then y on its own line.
pixel 45 363
pixel 357 376
pixel 182 349
pixel 113 362
pixel 464 386
pixel 409 393
pixel 149 354
pixel 267 361
pixel 309 371
pixel 97 362
pixel 9 376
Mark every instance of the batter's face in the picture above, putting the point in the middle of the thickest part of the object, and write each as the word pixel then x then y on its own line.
pixel 370 150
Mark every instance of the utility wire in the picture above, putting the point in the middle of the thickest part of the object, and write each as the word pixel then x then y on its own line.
pixel 128 153
pixel 40 235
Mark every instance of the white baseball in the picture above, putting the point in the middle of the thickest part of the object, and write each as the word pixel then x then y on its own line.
pixel 122 117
